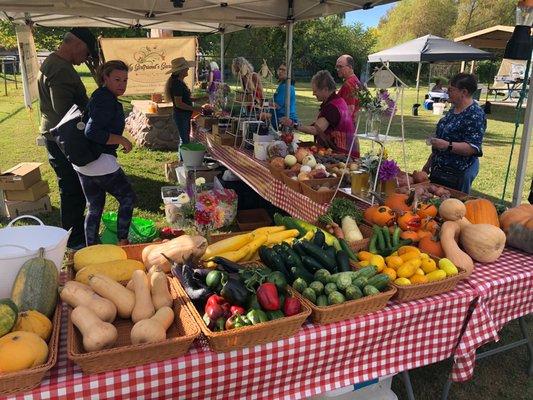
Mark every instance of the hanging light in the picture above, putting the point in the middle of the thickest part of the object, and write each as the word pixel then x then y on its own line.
pixel 519 45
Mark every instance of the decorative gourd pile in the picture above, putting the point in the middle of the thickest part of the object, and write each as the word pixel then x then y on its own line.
pixel 146 300
pixel 25 326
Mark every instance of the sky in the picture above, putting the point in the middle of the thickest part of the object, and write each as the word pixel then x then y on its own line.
pixel 370 17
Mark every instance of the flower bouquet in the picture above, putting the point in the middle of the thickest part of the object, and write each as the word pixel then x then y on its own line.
pixel 386 174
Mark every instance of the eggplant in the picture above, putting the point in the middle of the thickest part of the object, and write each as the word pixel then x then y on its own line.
pixel 227 265
pixel 234 292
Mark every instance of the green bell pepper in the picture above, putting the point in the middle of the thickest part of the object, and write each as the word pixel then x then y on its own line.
pixel 257 316
pixel 272 315
pixel 241 320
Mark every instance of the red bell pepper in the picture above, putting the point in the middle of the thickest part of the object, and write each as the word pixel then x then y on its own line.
pixel 267 295
pixel 292 306
pixel 215 299
pixel 237 309
pixel 216 307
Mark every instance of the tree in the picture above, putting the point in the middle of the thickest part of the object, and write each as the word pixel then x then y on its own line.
pixel 410 19
pixel 474 15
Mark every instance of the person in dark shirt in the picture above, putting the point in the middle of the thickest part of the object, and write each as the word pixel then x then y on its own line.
pixel 104 175
pixel 177 91
pixel 456 147
pixel 60 87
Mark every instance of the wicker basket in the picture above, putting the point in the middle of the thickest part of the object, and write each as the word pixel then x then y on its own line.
pixel 291 183
pixel 23 381
pixel 180 336
pixel 276 173
pixel 320 197
pixel 247 336
pixel 419 291
pixel 348 309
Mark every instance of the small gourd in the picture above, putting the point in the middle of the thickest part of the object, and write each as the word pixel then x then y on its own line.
pixel 153 329
pixel 34 321
pixel 8 316
pixel 97 334
pixel 35 287
pixel 452 210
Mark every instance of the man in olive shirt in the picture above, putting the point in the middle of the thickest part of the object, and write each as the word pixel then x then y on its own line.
pixel 60 87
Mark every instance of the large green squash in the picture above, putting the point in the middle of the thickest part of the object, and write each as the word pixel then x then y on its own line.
pixel 35 287
pixel 8 316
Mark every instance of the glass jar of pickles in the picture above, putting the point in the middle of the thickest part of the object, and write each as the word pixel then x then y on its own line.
pixel 360 179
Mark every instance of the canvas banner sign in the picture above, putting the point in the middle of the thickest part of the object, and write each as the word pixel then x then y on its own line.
pixel 149 60
pixel 28 63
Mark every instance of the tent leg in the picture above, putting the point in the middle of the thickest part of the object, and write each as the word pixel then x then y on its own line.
pixel 429 78
pixel 463 65
pixel 523 155
pixel 472 65
pixel 418 82
pixel 222 56
pixel 290 27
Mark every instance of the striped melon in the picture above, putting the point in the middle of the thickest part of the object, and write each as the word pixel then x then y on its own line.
pixel 8 316
pixel 35 287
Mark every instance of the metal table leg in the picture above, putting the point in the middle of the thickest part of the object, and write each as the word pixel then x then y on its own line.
pixel 446 390
pixel 407 383
pixel 529 344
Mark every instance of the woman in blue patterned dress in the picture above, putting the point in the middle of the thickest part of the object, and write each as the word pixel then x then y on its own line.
pixel 456 147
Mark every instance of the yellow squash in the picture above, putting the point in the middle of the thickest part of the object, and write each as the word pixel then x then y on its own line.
pixel 279 237
pixel 226 245
pixel 97 254
pixel 120 270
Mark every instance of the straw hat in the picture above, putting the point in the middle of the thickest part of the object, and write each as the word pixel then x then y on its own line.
pixel 179 64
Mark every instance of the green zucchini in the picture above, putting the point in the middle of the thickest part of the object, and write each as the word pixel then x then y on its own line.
pixel 346 247
pixel 367 272
pixel 360 282
pixel 343 262
pixel 320 255
pixel 319 238
pixel 379 281
pixel 370 290
pixel 302 273
pixel 311 264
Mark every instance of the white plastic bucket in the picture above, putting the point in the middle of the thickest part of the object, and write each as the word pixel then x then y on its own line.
pixel 18 244
pixel 192 158
pixel 438 108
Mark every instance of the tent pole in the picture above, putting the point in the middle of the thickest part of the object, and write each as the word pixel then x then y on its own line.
pixel 523 155
pixel 463 65
pixel 418 81
pixel 222 56
pixel 472 64
pixel 290 26
pixel 429 78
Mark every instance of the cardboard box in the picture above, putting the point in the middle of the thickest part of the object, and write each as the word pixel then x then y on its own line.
pixel 33 193
pixel 18 208
pixel 21 176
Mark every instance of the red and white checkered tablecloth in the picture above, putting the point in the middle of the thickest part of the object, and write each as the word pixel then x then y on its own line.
pixel 505 290
pixel 316 359
pixel 256 174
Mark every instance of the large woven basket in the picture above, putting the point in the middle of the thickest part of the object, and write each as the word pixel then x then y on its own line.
pixel 348 309
pixel 247 336
pixel 366 231
pixel 23 381
pixel 320 197
pixel 286 176
pixel 419 291
pixel 180 337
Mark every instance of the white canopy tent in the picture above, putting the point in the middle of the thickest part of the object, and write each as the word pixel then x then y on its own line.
pixel 429 48
pixel 227 15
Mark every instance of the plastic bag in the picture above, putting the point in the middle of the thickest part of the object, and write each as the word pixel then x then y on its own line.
pixel 141 230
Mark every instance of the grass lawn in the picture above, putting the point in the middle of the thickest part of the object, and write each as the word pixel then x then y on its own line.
pixel 499 377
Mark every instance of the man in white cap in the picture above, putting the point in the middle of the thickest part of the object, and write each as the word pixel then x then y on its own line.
pixel 60 87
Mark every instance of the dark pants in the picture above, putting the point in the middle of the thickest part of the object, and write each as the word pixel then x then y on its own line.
pixel 71 195
pixel 183 122
pixel 95 189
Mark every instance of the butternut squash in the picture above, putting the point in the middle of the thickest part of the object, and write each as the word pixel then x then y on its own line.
pixel 119 270
pixel 143 308
pixel 482 242
pixel 98 254
pixel 153 329
pixel 452 209
pixel 149 274
pixel 106 287
pixel 161 296
pixel 77 294
pixel 97 334
pixel 448 239
pixel 179 249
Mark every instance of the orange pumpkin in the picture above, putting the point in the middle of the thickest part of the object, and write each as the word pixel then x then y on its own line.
pixel 423 233
pixel 398 202
pixel 482 211
pixel 368 214
pixel 425 210
pixel 384 216
pixel 430 225
pixel 409 221
pixel 520 215
pixel 431 246
pixel 410 235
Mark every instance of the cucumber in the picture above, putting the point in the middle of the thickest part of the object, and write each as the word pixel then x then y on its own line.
pixel 372 246
pixel 360 282
pixel 346 248
pixel 278 264
pixel 396 236
pixel 380 243
pixel 343 262
pixel 353 292
pixel 302 273
pixel 319 255
pixel 370 290
pixel 322 301
pixel 311 264
pixel 379 281
pixel 302 226
pixel 367 272
pixel 296 246
pixel 386 236
pixel 319 238
pixel 278 219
